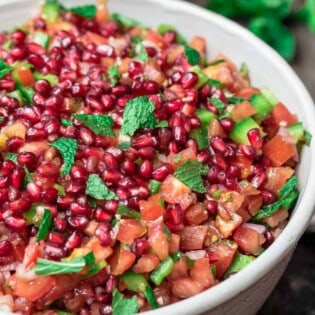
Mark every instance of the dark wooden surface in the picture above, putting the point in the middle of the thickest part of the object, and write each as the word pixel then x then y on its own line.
pixel 295 293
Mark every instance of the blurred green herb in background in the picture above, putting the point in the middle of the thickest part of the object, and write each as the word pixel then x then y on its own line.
pixel 269 19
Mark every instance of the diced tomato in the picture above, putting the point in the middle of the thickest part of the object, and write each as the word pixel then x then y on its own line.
pixel 227 226
pixel 173 52
pixel 157 239
pixel 196 214
pixel 215 129
pixel 146 263
pixel 180 269
pixel 281 116
pixel 186 287
pixel 248 240
pixel 150 210
pixel 25 76
pixel 174 243
pixel 33 289
pixel 30 255
pixel 199 43
pixel 278 150
pixel 177 159
pixel 120 261
pixel 243 163
pixel 224 251
pixel 174 191
pixel 244 214
pixel 243 110
pixel 129 230
pixel 100 252
pixel 277 177
pixel 247 92
pixel 254 203
pixel 91 37
pixel 278 217
pixel 156 38
pixel 193 237
pixel 201 272
pixel 36 147
pixel 231 200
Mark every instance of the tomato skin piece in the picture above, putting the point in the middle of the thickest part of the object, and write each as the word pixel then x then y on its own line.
pixel 180 269
pixel 277 177
pixel 248 240
pixel 278 150
pixel 177 159
pixel 129 230
pixel 243 110
pixel 281 115
pixel 25 76
pixel 196 214
pixel 150 210
pixel 201 272
pixel 156 38
pixel 120 261
pixel 247 92
pixel 30 255
pixel 193 237
pixel 33 289
pixel 225 252
pixel 146 263
pixel 186 287
pixel 278 217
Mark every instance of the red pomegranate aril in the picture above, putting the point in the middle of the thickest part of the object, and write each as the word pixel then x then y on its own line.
pixel 129 167
pixel 107 102
pixel 211 206
pixel 189 79
pixel 48 170
pixel 18 53
pixel 36 60
pixel 141 246
pixel 39 99
pixel 79 174
pixel 145 169
pixel 34 191
pixel 4 181
pixel 234 171
pixel 247 151
pixel 54 101
pixel 120 90
pixel 203 156
pixel 14 143
pixel 173 105
pixel 174 214
pixel 102 232
pixel 7 84
pixel 17 177
pixel 255 138
pixel 123 194
pixel 212 257
pixel 218 144
pixel 3 196
pixel 258 179
pixel 78 222
pixel 162 172
pixel 212 175
pixel 18 37
pixel 178 119
pixel 60 224
pixel 101 215
pixel 75 188
pixel 6 248
pixel 151 87
pixel 111 206
pixel 43 87
pixel 231 183
pixel 49 195
pixel 147 153
pixel 54 251
pixel 34 48
pixel 226 124
pixel 74 240
pixel 145 140
pixel 175 77
pixel 86 136
pixel 194 122
pixel 111 176
pixel 134 68
pixel 26 159
pixel 179 134
pixel 268 196
pixel 15 223
pixel 20 206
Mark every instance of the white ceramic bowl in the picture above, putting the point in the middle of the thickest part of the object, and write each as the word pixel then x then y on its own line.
pixel 245 292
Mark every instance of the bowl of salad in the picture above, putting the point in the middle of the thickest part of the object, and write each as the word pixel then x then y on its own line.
pixel 154 158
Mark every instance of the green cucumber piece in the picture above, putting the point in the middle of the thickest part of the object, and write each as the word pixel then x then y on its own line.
pixel 201 136
pixel 270 96
pixel 241 128
pixel 154 186
pixel 205 116
pixel 50 11
pixel 297 131
pixel 262 106
pixel 203 79
pixel 51 78
pixel 41 38
pixel 239 262
pixel 17 95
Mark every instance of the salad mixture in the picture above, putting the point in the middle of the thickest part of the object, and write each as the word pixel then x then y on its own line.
pixel 134 172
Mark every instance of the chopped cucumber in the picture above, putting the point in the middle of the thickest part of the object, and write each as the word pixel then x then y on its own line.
pixel 205 116
pixel 50 11
pixel 262 106
pixel 241 128
pixel 297 131
pixel 239 262
pixel 270 96
pixel 51 78
pixel 41 38
pixel 203 79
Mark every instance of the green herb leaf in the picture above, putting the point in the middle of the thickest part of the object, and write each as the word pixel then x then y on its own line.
pixel 127 212
pixel 41 38
pixel 51 78
pixel 190 173
pixel 139 50
pixel 66 122
pixel 306 14
pixel 99 124
pixel 218 104
pixel 216 62
pixel 122 306
pixel 192 55
pixel 236 100
pixel 244 69
pixel 124 145
pixel 44 226
pixel 215 83
pixel 11 156
pixel 307 138
pixel 1 119
pixel 138 114
pixel 163 28
pixel 275 34
pixel 125 21
pixel 162 124
pixel 28 177
pixel 68 149
pixel 154 186
pixel 96 188
pixel 113 74
pixel 87 11
pixel 26 91
pixel 63 313
pixel 4 68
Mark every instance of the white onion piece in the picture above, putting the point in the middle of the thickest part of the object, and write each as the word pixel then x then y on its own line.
pixel 8 267
pixel 196 254
pixel 6 303
pixel 256 227
pixel 25 274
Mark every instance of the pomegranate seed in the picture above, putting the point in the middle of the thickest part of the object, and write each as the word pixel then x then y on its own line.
pixel 145 169
pixel 218 144
pixel 79 174
pixel 101 215
pixel 34 192
pixel 141 246
pixel 230 183
pixel 174 214
pixel 74 240
pixel 34 48
pixel 36 60
pixel 75 188
pixel 111 206
pixel 247 151
pixel 173 105
pixel 175 77
pixel 13 193
pixel 268 196
pixel 48 170
pixel 7 84
pixel 27 159
pixel 14 143
pixel 78 222
pixel 49 195
pixel 226 124
pixel 43 87
pixel 144 141
pixel 15 223
pixel 179 134
pixel 4 181
pixel 3 195
pixel 203 156
pixel 189 79
pixel 147 153
pixel 162 172
pixel 60 224
pixel 134 68
pixel 165 136
pixel 54 102
pixel 217 160
pixel 5 248
pixel 102 232
pixel 110 161
pixel 18 37
pixel 212 257
pixel 17 177
pixel 54 251
pixel 18 53
pixel 107 102
pixel 212 175
pixel 258 179
pixel 129 167
pixel 111 176
pixel 255 138
pixel 234 171
pixel 211 206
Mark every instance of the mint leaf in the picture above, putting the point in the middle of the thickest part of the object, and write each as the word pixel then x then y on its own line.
pixel 127 212
pixel 125 21
pixel 96 188
pixel 4 68
pixel 113 74
pixel 68 149
pixel 122 306
pixel 138 50
pixel 192 55
pixel 275 34
pixel 190 173
pixel 124 145
pixel 218 104
pixel 306 14
pixel 11 156
pixel 87 11
pixel 138 114
pixel 66 122
pixel 99 124
pixel 215 83
pixel 44 227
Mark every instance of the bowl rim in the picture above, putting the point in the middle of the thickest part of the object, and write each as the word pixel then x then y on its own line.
pixel 226 290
